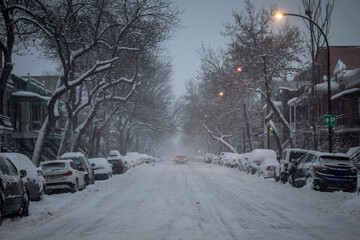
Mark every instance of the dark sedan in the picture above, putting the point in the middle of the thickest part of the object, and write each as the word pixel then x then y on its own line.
pixel 324 171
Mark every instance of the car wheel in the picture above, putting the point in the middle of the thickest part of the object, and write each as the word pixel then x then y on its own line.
pixel 40 194
pixel 24 210
pixel 76 187
pixel 292 181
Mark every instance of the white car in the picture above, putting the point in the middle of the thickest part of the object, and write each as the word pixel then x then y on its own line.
pixel 216 159
pixel 268 167
pixel 102 168
pixel 34 181
pixel 256 157
pixel 134 158
pixel 63 175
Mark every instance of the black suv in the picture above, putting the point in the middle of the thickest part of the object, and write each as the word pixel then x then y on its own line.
pixel 14 200
pixel 322 171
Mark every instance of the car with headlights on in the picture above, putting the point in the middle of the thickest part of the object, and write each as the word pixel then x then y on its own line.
pixel 63 176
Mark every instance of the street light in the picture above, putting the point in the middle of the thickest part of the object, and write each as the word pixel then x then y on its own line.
pixel 280 15
pixel 221 94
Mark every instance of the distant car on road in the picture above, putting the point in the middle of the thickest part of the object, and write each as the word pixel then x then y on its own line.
pixel 181 159
pixel 14 199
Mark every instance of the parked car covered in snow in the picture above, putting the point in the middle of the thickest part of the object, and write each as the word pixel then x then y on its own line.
pixel 34 181
pixel 268 167
pixel 216 159
pixel 209 157
pixel 145 158
pixel 322 171
pixel 117 162
pixel 223 157
pixel 256 157
pixel 243 161
pixel 102 168
pixel 83 165
pixel 63 175
pixel 14 199
pixel 288 155
pixel 134 158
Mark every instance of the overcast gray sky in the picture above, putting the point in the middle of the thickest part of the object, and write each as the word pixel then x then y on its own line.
pixel 203 21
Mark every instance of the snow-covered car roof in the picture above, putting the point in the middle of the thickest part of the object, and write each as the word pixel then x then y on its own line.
pixel 56 161
pixel 99 161
pixel 114 153
pixel 320 154
pixel 72 154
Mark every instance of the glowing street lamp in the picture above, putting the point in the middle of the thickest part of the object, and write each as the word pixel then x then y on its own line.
pixel 280 15
pixel 221 94
pixel 239 69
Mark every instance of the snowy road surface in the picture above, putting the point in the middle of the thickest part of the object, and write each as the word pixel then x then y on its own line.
pixel 190 201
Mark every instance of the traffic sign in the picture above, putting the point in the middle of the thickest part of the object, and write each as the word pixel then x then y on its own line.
pixel 329 120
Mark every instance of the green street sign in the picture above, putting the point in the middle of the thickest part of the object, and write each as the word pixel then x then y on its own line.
pixel 329 120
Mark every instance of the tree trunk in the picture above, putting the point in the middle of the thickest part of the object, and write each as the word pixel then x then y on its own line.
pixel 248 128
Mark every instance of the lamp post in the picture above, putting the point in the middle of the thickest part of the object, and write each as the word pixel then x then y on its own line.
pixel 279 16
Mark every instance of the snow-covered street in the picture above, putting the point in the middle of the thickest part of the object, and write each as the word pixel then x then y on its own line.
pixel 189 201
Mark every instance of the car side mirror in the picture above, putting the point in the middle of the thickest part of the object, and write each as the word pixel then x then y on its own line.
pixel 23 173
pixel 93 164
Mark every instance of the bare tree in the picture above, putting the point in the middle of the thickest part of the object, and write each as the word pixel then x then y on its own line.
pixel 72 29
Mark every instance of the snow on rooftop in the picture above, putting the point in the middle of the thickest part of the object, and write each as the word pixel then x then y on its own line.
pixel 344 93
pixel 322 88
pixel 340 66
pixel 277 103
pixel 72 154
pixel 29 94
pixel 291 101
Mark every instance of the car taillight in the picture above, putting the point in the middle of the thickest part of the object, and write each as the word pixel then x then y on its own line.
pixel 87 169
pixel 176 158
pixel 68 173
pixel 354 170
pixel 185 158
pixel 286 165
pixel 268 168
pixel 320 168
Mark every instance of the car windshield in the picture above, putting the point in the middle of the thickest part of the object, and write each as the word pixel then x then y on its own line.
pixel 334 158
pixel 295 155
pixel 52 166
pixel 115 161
